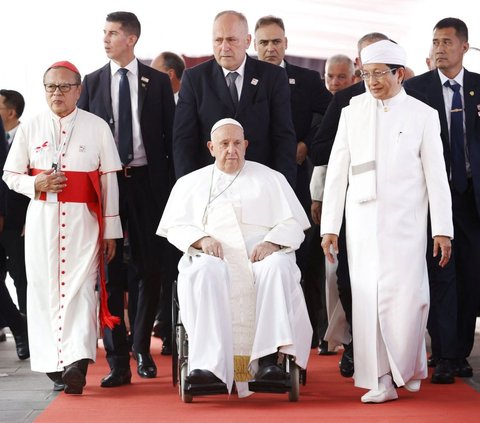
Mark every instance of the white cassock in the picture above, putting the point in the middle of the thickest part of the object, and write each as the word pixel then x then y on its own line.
pixel 61 238
pixel 234 311
pixel 389 183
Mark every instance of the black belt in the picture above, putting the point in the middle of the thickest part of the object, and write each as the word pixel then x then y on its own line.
pixel 130 171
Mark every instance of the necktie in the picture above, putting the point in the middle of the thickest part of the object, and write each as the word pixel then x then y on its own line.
pixel 125 137
pixel 231 77
pixel 457 147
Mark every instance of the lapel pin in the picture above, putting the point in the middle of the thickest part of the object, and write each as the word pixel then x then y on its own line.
pixel 254 81
pixel 472 93
pixel 144 79
pixel 291 81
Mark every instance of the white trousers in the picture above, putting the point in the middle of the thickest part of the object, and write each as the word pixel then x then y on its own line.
pixel 282 321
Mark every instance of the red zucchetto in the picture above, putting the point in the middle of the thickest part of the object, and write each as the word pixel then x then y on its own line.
pixel 64 64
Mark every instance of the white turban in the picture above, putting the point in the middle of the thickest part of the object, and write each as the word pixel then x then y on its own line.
pixel 222 122
pixel 384 51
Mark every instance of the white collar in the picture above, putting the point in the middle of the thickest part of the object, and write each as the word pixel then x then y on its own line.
pixel 458 79
pixel 132 67
pixel 240 70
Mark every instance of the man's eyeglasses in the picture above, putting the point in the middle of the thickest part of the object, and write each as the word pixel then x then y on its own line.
pixel 376 75
pixel 64 88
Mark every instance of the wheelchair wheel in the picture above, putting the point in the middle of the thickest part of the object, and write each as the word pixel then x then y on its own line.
pixel 186 398
pixel 294 372
pixel 175 349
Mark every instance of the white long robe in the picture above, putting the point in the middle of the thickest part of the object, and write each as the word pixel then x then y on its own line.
pixel 61 239
pixel 264 208
pixel 387 236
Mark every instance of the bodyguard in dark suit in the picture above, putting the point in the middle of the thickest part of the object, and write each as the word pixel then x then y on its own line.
pixel 308 99
pixel 9 314
pixel 137 102
pixel 13 206
pixel 234 85
pixel 455 93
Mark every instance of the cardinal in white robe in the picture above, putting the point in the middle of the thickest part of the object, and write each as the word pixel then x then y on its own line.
pixel 238 223
pixel 387 169
pixel 65 160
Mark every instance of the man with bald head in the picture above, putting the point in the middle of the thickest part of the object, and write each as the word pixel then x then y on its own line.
pixel 238 224
pixel 339 73
pixel 233 85
pixel 173 65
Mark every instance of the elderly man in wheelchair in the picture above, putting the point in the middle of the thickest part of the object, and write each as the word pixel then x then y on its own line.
pixel 238 223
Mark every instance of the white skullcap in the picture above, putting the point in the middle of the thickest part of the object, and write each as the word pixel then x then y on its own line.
pixel 222 122
pixel 384 51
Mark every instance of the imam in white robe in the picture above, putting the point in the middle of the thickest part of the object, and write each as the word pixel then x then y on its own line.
pixel 257 205
pixel 61 238
pixel 386 209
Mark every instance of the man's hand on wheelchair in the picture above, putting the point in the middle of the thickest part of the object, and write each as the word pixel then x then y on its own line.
pixel 262 250
pixel 209 246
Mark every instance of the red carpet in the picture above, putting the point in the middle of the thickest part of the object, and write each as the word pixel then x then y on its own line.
pixel 327 397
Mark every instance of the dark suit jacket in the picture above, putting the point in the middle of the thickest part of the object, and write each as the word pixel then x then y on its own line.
pixel 430 85
pixel 13 206
pixel 308 98
pixel 263 111
pixel 325 135
pixel 156 108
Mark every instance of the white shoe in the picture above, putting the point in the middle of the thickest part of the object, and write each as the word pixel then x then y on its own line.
pixel 385 392
pixel 413 385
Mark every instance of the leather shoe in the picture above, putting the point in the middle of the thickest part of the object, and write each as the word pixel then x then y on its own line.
pixel 443 373
pixel 202 377
pixel 270 372
pixel 462 368
pixel 166 346
pixel 346 364
pixel 56 378
pixel 74 377
pixel 3 335
pixel 21 343
pixel 323 349
pixel 117 377
pixel 145 365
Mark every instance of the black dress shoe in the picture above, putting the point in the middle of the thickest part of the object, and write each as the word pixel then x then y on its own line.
pixel 21 344
pixel 462 368
pixel 117 377
pixel 443 373
pixel 346 364
pixel 323 349
pixel 166 347
pixel 56 378
pixel 74 377
pixel 3 335
pixel 145 365
pixel 202 377
pixel 432 361
pixel 270 372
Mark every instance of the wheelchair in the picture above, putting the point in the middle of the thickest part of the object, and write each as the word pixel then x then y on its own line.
pixel 291 385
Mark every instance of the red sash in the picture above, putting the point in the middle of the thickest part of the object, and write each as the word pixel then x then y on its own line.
pixel 84 187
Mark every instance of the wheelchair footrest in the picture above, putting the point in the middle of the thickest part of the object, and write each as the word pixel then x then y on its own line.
pixel 205 389
pixel 272 386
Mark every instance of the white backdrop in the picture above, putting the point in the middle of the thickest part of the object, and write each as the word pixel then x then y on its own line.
pixel 36 33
